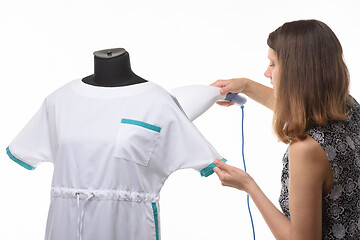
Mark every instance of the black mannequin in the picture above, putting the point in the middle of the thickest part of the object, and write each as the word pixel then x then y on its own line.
pixel 112 69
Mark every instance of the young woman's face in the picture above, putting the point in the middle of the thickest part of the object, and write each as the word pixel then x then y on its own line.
pixel 273 68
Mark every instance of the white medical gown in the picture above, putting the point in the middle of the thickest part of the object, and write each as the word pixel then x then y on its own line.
pixel 112 150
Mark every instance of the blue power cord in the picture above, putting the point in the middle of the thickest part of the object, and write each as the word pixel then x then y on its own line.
pixel 243 157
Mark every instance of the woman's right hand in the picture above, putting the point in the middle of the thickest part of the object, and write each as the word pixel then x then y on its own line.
pixel 231 176
pixel 234 85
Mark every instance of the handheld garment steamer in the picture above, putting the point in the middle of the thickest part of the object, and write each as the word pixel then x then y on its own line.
pixel 194 100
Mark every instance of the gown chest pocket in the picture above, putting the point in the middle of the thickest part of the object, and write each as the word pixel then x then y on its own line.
pixel 136 141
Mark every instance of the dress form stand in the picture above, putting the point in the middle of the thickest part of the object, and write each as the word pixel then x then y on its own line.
pixel 112 69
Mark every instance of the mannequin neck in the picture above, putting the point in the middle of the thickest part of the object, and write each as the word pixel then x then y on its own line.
pixel 112 69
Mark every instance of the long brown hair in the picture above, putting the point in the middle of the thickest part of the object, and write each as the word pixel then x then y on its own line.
pixel 313 78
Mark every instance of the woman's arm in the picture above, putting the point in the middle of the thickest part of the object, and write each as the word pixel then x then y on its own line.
pixel 234 177
pixel 256 91
pixel 309 174
pixel 310 179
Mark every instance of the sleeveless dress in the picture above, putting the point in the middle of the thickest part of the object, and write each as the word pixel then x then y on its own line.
pixel 341 207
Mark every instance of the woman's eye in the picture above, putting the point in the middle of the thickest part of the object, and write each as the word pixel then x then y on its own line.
pixel 272 64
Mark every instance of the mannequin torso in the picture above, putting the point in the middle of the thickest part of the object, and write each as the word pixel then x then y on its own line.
pixel 112 69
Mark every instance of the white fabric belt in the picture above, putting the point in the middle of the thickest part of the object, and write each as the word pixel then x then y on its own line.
pixel 104 194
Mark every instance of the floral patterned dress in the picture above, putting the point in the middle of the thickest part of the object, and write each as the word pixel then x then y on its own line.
pixel 341 207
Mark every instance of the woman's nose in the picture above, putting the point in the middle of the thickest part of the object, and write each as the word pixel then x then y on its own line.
pixel 267 73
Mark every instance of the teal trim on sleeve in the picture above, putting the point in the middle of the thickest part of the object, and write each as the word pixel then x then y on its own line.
pixel 21 163
pixel 210 169
pixel 155 211
pixel 141 124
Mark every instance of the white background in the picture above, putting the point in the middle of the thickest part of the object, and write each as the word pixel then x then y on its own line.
pixel 46 43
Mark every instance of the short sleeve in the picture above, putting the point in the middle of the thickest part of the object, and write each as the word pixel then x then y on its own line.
pixel 185 147
pixel 33 144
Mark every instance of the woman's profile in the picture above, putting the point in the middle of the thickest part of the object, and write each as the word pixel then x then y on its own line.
pixel 316 115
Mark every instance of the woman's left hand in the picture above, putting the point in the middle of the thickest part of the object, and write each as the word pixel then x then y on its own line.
pixel 232 177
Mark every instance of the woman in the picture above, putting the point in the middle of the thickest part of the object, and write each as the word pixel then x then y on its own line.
pixel 316 116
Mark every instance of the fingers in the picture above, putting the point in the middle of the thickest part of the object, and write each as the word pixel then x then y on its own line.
pixel 226 89
pixel 223 177
pixel 234 85
pixel 220 83
pixel 231 176
pixel 221 174
pixel 225 104
pixel 223 85
pixel 221 165
pixel 218 171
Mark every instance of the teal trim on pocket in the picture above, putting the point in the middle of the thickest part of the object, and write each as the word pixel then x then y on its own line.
pixel 210 169
pixel 141 124
pixel 21 163
pixel 156 219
